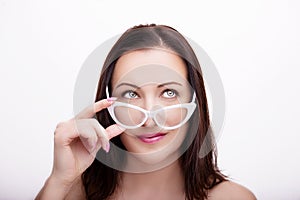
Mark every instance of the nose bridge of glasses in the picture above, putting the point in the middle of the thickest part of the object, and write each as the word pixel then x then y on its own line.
pixel 150 114
pixel 149 119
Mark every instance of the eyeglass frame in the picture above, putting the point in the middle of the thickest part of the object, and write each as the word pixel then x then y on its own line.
pixel 152 113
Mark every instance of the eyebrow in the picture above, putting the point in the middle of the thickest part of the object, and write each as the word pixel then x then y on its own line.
pixel 169 83
pixel 128 84
pixel 160 85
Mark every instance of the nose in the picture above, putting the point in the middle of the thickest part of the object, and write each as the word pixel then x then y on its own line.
pixel 149 123
pixel 149 104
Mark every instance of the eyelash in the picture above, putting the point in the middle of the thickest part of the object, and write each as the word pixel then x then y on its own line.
pixel 167 90
pixel 127 92
pixel 170 90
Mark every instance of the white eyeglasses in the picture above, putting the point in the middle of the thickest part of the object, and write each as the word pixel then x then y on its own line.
pixel 170 117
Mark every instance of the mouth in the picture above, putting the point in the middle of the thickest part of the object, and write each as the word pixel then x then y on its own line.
pixel 151 138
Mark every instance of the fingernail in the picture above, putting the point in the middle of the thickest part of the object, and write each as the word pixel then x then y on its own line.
pixel 111 99
pixel 107 147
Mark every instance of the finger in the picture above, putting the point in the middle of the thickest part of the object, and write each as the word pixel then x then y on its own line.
pixel 97 147
pixel 101 133
pixel 114 130
pixel 87 134
pixel 92 135
pixel 106 134
pixel 65 133
pixel 91 110
pixel 90 143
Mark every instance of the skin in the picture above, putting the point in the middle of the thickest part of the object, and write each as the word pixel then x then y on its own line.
pixel 128 70
pixel 76 142
pixel 75 147
pixel 166 183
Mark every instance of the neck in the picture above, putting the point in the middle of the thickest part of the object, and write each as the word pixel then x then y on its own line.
pixel 168 179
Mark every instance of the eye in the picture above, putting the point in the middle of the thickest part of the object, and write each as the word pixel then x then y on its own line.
pixel 169 93
pixel 130 94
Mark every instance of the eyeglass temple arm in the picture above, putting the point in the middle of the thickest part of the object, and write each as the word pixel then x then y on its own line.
pixel 107 93
pixel 194 97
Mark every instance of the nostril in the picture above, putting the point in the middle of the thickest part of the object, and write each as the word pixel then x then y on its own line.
pixel 149 122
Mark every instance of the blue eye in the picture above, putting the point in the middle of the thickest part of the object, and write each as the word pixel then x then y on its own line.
pixel 169 93
pixel 130 94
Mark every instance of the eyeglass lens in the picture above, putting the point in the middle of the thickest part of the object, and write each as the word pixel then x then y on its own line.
pixel 163 117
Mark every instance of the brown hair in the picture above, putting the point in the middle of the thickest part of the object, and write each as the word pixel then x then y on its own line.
pixel 200 173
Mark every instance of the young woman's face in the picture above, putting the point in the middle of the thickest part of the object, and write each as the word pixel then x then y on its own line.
pixel 152 79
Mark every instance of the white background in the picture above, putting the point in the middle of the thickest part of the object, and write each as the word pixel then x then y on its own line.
pixel 254 44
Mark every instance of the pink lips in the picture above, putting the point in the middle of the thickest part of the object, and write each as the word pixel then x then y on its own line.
pixel 151 138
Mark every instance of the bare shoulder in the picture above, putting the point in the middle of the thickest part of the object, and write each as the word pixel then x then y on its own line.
pixel 229 190
pixel 77 191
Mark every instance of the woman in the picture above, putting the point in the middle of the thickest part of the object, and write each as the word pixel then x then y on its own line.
pixel 156 123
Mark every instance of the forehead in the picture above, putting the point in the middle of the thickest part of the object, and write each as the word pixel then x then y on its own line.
pixel 137 63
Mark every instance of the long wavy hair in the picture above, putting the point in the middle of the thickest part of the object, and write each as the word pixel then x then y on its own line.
pixel 200 173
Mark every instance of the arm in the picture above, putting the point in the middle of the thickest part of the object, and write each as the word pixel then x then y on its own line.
pixel 76 143
pixel 53 189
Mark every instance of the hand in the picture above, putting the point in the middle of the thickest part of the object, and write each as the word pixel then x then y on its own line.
pixel 77 141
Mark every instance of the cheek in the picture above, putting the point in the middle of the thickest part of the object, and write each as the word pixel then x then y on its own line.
pixel 129 116
pixel 171 142
pixel 172 117
pixel 180 134
pixel 131 143
pixel 125 139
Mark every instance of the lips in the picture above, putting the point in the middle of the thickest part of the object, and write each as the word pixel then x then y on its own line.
pixel 151 138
